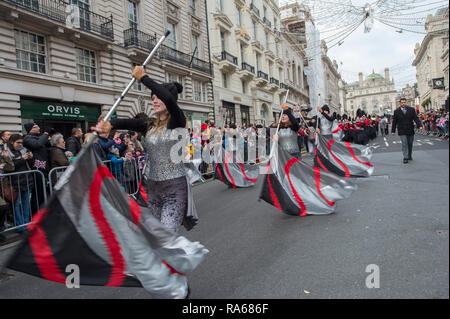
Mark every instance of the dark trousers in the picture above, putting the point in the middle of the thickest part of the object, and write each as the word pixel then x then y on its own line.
pixel 4 210
pixel 37 194
pixel 407 145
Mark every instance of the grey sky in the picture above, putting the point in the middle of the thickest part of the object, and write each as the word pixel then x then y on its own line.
pixel 382 47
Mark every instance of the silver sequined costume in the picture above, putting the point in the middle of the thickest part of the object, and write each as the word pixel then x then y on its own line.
pixel 166 182
pixel 288 141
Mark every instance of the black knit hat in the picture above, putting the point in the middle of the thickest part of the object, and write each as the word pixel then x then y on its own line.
pixel 326 108
pixel 174 88
pixel 28 126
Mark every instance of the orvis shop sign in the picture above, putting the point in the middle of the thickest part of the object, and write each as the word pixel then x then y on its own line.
pixel 58 111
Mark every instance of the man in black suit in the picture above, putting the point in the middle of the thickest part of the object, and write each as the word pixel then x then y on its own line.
pixel 404 117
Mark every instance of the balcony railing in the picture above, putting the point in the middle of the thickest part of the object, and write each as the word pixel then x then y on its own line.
pixel 56 10
pixel 230 58
pixel 254 9
pixel 284 86
pixel 263 75
pixel 266 21
pixel 187 60
pixel 248 67
pixel 274 81
pixel 201 65
pixel 134 37
pixel 171 54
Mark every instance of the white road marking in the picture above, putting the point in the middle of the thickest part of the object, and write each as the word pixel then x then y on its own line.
pixel 386 142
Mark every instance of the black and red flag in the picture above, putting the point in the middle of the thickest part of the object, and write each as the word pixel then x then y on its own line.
pixel 232 171
pixel 343 158
pixel 92 223
pixel 296 188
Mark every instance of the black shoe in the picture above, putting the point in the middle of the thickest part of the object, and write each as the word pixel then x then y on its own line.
pixel 405 161
pixel 410 159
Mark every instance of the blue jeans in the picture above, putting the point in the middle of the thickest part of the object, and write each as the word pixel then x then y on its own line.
pixel 22 212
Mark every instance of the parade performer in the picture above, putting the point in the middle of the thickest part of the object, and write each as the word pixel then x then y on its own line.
pixel 296 188
pixel 230 167
pixel 169 193
pixel 342 158
pixel 288 133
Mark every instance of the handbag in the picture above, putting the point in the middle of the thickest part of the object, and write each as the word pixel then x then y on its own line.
pixel 8 192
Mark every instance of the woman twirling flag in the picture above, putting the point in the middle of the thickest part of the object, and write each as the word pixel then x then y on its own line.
pixel 296 188
pixel 341 158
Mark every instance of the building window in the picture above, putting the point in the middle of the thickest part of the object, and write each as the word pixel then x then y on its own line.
pixel 242 53
pixel 132 14
pixel 258 62
pixel 244 87
pixel 172 36
pixel 199 91
pixel 381 89
pixel 223 41
pixel 254 30
pixel 195 47
pixel 224 80
pixel 219 5
pixel 238 16
pixel 267 41
pixel 170 77
pixel 137 84
pixel 86 65
pixel 85 17
pixel 245 115
pixel 30 51
pixel 192 7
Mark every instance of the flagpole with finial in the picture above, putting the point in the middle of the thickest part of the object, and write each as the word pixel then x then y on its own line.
pixel 110 113
pixel 279 122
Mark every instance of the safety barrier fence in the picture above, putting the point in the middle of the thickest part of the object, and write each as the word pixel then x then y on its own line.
pixel 25 193
pixel 22 195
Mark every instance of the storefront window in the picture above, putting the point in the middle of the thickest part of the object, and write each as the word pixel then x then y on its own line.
pixel 245 115
pixel 230 115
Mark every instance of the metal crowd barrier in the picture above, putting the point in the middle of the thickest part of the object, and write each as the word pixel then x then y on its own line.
pixel 126 173
pixel 435 132
pixel 25 193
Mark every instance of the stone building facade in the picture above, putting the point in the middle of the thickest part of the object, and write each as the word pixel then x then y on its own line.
pixel 431 62
pixel 64 77
pixel 246 49
pixel 374 95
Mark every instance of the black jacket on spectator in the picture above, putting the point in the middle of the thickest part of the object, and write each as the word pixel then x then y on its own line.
pixel 25 181
pixel 73 145
pixel 405 122
pixel 38 145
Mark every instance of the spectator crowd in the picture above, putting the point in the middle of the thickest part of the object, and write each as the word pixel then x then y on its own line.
pixel 40 150
pixel 23 194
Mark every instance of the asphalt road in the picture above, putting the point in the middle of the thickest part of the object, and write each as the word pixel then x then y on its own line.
pixel 398 220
